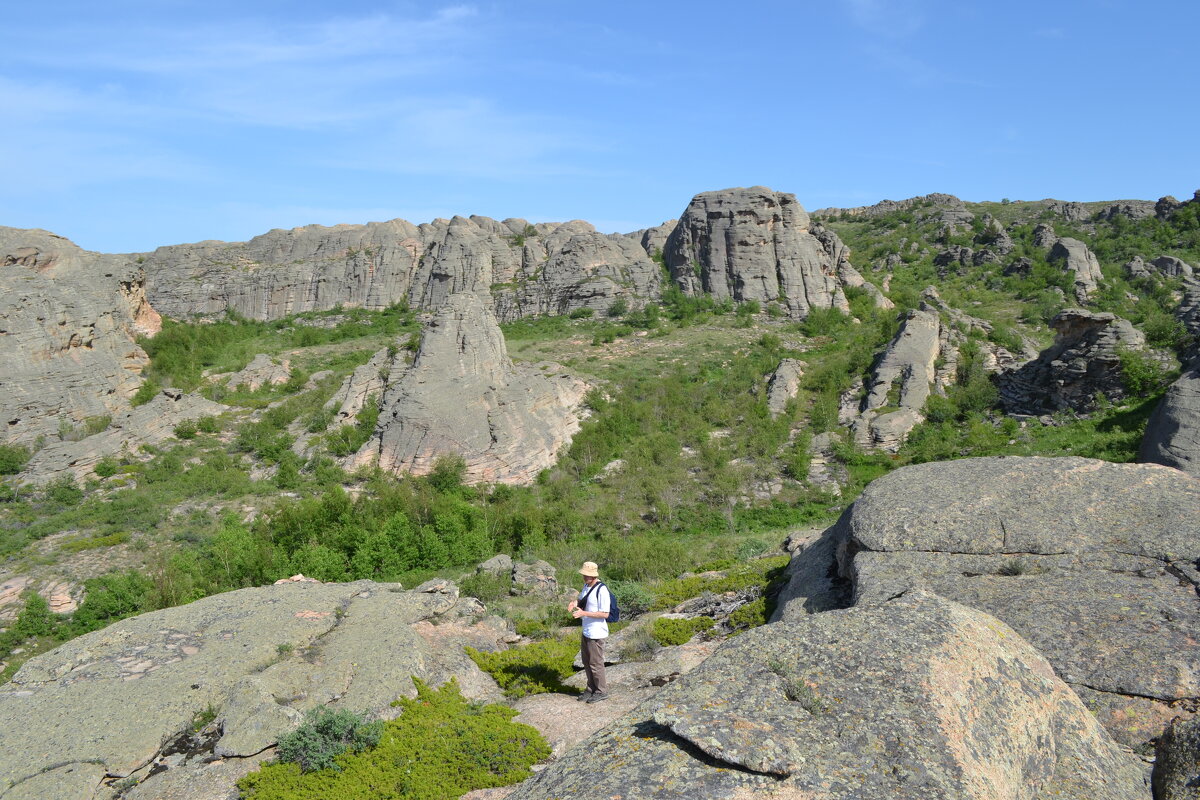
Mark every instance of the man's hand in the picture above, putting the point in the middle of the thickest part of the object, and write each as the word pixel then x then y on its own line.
pixel 571 606
pixel 578 612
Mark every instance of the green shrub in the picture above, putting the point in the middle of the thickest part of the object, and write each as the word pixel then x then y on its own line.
pixel 633 598
pixel 145 393
pixel 64 490
pixel 13 458
pixel 486 587
pixel 670 631
pixel 107 467
pixel 208 425
pixel 749 615
pixel 186 430
pixel 1142 374
pixel 531 669
pixel 324 735
pixel 618 307
pixel 582 313
pixel 440 747
pixel 761 572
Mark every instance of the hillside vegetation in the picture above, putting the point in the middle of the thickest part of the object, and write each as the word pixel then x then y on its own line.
pixel 679 463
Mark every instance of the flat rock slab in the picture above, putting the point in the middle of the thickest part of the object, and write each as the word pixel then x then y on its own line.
pixel 258 657
pixel 918 698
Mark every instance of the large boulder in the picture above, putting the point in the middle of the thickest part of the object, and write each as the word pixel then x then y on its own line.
pixel 506 421
pixel 1177 762
pixel 1172 266
pixel 1077 259
pixel 753 244
pixel 1083 362
pixel 915 697
pixel 783 385
pixel 1173 431
pixel 1094 563
pixel 109 703
pixel 69 319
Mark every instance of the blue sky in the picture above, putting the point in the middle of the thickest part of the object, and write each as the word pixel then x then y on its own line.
pixel 130 125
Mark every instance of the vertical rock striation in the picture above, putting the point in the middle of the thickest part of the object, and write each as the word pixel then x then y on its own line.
pixel 68 322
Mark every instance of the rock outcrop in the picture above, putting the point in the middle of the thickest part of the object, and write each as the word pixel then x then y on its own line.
pixel 783 385
pixel 1177 761
pixel 1173 431
pixel 462 395
pixel 1173 267
pixel 531 269
pixel 1081 262
pixel 149 424
pixel 753 244
pixel 68 323
pixel 1083 361
pixel 916 697
pixel 1093 563
pixel 261 371
pixel 900 383
pixel 109 703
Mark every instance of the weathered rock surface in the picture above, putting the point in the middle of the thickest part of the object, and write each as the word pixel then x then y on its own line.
pixel 463 395
pixel 917 697
pixel 945 208
pixel 900 383
pixel 261 371
pixel 1092 562
pixel 536 578
pixel 258 656
pixel 1173 431
pixel 1083 361
pixel 1172 266
pixel 753 244
pixel 149 424
pixel 1177 762
pixel 1133 209
pixel 531 269
pixel 68 322
pixel 1077 259
pixel 1189 307
pixel 783 384
pixel 1136 268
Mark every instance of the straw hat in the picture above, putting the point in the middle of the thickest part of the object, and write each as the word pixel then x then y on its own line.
pixel 590 570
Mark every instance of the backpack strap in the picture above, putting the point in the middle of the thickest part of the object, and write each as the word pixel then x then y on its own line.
pixel 589 593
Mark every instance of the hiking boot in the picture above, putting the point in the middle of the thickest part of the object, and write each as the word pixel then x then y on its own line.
pixel 585 696
pixel 597 697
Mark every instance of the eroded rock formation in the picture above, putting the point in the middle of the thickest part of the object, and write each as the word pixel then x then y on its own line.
pixel 753 244
pixel 1077 259
pixel 1173 430
pixel 532 269
pixel 463 395
pixel 1093 563
pixel 1083 361
pixel 68 323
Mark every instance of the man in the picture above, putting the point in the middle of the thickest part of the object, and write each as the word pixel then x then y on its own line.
pixel 592 607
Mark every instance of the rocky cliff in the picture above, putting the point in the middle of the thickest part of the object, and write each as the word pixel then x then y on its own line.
pixel 68 323
pixel 754 244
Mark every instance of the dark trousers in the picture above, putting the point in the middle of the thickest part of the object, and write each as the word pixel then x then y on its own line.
pixel 592 651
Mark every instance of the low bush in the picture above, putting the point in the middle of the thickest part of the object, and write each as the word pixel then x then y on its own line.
pixel 326 734
pixel 486 587
pixel 440 747
pixel 532 669
pixel 760 571
pixel 13 458
pixel 671 631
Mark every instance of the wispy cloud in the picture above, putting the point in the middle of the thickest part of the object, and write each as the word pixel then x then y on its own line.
pixel 893 19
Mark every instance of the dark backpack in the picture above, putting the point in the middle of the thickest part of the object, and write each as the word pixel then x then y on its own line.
pixel 614 613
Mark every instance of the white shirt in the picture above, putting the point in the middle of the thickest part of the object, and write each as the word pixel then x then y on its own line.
pixel 597 600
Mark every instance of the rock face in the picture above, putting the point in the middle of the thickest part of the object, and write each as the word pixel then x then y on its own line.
pixel 532 269
pixel 149 424
pixel 1076 258
pixel 1173 430
pixel 917 697
pixel 900 383
pixel 753 244
pixel 1092 562
pixel 463 395
pixel 1177 762
pixel 783 384
pixel 1083 361
pixel 261 371
pixel 68 320
pixel 1172 266
pixel 259 657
